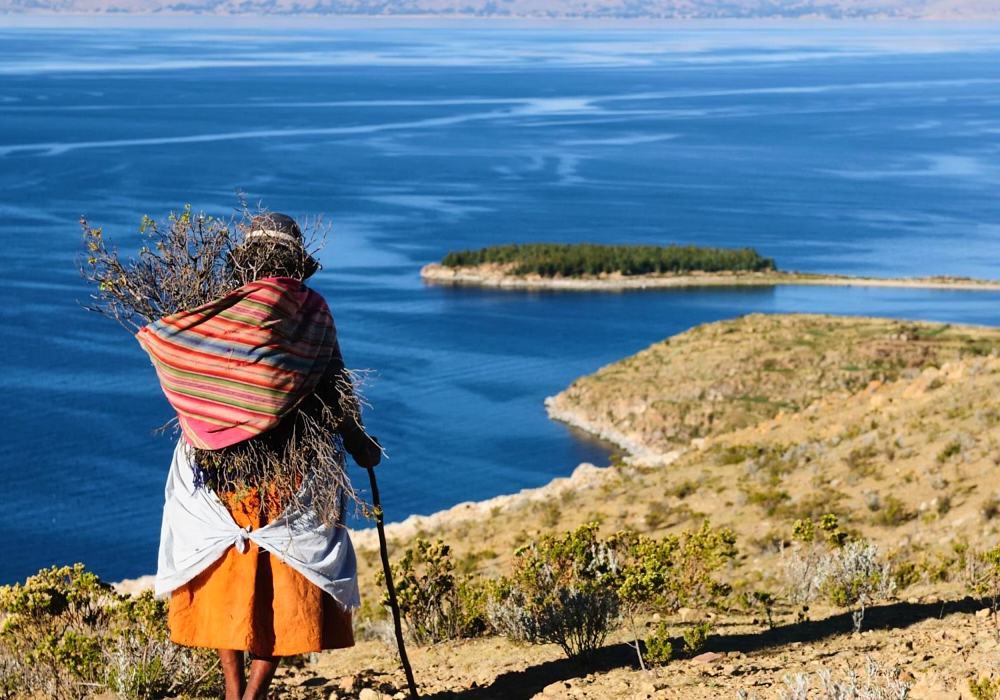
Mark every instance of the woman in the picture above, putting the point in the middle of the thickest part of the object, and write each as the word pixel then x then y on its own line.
pixel 253 551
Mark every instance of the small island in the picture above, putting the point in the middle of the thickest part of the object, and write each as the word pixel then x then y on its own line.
pixel 594 267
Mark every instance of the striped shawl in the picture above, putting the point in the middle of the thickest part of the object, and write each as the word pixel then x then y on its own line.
pixel 234 367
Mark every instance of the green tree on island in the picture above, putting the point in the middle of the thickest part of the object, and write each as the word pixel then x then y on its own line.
pixel 567 260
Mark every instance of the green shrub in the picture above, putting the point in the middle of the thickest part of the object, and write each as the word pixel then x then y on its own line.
pixel 550 260
pixel 943 504
pixel 696 637
pixel 734 454
pixel 768 499
pixel 906 574
pixel 570 590
pixel 811 505
pixel 861 460
pixel 434 605
pixel 990 508
pixel 683 489
pixel 67 634
pixel 984 689
pixel 984 576
pixel 671 572
pixel 893 513
pixel 659 649
pixel 948 451
pixel 805 530
pixel 551 513
pixel 674 571
pixel 656 515
pixel 471 597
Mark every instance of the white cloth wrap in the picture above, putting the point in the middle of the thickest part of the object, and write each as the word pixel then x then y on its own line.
pixel 197 530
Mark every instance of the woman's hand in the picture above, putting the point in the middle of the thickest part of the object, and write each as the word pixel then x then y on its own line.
pixel 368 453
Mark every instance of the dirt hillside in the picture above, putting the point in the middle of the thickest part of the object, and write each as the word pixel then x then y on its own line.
pixel 752 424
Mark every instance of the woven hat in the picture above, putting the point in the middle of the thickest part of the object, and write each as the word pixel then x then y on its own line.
pixel 273 231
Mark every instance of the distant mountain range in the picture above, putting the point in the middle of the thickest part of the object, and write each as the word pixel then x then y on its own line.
pixel 618 9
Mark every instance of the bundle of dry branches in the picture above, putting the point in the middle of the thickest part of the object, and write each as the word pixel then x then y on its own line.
pixel 180 266
pixel 191 260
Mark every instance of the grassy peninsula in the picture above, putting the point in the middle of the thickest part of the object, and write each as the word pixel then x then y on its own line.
pixel 727 376
pixel 592 267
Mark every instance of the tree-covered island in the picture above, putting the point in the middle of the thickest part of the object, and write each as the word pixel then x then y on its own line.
pixel 595 267
pixel 591 259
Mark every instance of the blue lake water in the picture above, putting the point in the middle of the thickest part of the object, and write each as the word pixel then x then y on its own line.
pixel 867 149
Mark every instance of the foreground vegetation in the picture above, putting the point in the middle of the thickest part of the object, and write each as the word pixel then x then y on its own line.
pixel 565 260
pixel 67 635
pixel 64 633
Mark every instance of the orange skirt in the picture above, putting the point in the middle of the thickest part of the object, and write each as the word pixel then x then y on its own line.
pixel 254 602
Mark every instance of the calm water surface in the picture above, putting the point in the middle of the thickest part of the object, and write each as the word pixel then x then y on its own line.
pixel 870 150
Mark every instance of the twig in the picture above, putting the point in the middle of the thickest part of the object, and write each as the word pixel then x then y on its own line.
pixel 635 637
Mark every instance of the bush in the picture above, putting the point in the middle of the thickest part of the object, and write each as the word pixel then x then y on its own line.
pixel 948 451
pixel 696 637
pixel 879 682
pixel 434 605
pixel 674 571
pixel 983 574
pixel 894 513
pixel 561 591
pixel 570 590
pixel 990 508
pixel 854 576
pixel 851 574
pixel 984 688
pixel 656 515
pixel 768 499
pixel 67 634
pixel 471 598
pixel 861 460
pixel 659 649
pixel 800 568
pixel 669 573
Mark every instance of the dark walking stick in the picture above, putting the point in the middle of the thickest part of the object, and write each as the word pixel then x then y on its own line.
pixel 384 549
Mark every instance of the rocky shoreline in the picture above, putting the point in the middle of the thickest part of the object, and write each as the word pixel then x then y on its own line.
pixel 585 476
pixel 492 275
pixel 559 409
